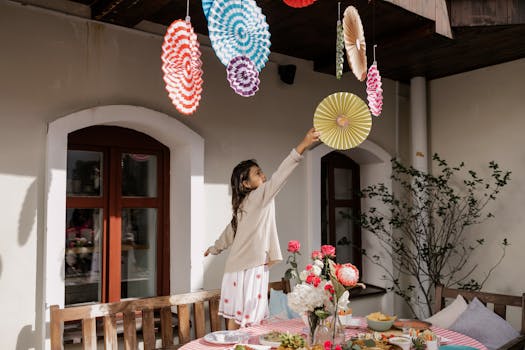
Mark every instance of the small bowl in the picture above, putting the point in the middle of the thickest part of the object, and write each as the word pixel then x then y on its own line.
pixel 380 326
pixel 403 342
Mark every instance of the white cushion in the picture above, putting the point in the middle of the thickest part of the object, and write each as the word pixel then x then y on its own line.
pixel 446 317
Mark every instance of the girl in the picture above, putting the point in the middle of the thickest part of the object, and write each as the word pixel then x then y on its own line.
pixel 252 235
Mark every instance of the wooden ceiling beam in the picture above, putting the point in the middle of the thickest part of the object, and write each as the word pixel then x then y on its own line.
pixel 468 13
pixel 435 10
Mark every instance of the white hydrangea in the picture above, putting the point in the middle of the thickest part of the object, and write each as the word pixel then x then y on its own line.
pixel 316 270
pixel 318 263
pixel 305 297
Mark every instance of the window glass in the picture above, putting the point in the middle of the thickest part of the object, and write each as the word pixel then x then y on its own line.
pixel 82 259
pixel 84 173
pixel 139 175
pixel 139 239
pixel 342 183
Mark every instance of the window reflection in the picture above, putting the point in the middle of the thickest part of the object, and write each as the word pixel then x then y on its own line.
pixel 82 255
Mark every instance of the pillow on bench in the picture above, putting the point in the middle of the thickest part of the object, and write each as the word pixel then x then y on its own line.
pixel 446 317
pixel 484 325
pixel 278 306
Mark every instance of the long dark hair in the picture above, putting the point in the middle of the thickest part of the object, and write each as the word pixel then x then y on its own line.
pixel 240 173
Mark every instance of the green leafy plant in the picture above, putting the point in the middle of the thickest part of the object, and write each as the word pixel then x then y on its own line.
pixel 423 227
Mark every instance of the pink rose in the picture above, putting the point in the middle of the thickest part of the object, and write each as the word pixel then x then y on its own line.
pixel 327 345
pixel 317 255
pixel 347 274
pixel 294 246
pixel 328 250
pixel 308 267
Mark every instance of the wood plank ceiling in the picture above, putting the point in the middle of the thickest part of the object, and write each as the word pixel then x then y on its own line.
pixel 485 32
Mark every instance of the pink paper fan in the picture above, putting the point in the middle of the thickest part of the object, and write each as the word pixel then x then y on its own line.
pixel 243 76
pixel 374 90
pixel 298 3
pixel 182 66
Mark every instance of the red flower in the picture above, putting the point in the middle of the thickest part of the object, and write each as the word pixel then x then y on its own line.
pixel 258 276
pixel 347 274
pixel 328 250
pixel 247 316
pixel 258 296
pixel 338 347
pixel 294 246
pixel 226 301
pixel 235 284
pixel 308 267
pixel 317 255
pixel 239 313
pixel 327 345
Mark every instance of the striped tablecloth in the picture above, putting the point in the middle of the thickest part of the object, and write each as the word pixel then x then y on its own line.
pixel 297 326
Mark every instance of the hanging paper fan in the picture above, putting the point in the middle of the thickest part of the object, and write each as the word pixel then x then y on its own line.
pixel 355 42
pixel 298 3
pixel 374 90
pixel 343 119
pixel 206 5
pixel 182 66
pixel 243 76
pixel 339 51
pixel 238 28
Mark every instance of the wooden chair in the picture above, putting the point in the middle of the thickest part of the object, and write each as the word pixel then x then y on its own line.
pixel 500 302
pixel 283 285
pixel 144 308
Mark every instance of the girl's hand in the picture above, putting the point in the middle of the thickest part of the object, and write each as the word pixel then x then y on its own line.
pixel 310 137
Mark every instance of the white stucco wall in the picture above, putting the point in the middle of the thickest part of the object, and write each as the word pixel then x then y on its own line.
pixel 477 117
pixel 75 64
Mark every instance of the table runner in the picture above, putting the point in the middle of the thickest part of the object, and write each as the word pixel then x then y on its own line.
pixel 297 326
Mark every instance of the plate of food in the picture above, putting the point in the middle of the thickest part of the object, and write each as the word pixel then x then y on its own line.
pixel 226 337
pixel 404 323
pixel 249 347
pixel 272 339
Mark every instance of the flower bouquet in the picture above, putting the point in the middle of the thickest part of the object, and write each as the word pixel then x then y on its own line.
pixel 322 287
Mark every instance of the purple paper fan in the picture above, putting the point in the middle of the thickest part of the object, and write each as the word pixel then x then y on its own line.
pixel 243 76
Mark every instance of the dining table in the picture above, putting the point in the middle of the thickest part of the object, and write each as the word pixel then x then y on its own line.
pixel 297 326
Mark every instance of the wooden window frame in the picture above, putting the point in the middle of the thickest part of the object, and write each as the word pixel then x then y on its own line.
pixel 328 163
pixel 114 141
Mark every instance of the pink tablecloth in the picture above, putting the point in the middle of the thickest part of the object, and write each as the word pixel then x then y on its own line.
pixel 297 326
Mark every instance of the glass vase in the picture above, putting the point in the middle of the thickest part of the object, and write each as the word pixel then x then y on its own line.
pixel 312 321
pixel 322 333
pixel 329 329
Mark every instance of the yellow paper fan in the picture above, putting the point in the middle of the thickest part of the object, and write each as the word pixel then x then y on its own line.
pixel 343 119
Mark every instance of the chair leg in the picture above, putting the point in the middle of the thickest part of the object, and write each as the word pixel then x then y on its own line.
pixel 232 325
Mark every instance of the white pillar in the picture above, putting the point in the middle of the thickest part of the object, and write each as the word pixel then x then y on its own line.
pixel 418 123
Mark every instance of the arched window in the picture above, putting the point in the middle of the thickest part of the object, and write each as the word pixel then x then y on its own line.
pixel 117 216
pixel 340 205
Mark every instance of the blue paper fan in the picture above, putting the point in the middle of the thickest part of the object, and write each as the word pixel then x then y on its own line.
pixel 206 5
pixel 238 28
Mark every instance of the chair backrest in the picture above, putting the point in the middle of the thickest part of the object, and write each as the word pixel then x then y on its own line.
pixel 283 285
pixel 144 308
pixel 500 301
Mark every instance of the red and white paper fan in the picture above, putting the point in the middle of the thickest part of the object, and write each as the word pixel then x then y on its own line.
pixel 374 90
pixel 355 42
pixel 298 3
pixel 182 66
pixel 243 76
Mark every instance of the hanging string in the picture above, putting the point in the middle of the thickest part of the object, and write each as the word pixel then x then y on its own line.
pixel 375 45
pixel 339 11
pixel 187 10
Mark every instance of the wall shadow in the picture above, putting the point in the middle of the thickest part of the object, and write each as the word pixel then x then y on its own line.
pixel 27 217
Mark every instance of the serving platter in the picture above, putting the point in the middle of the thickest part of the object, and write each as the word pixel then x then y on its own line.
pixel 411 323
pixel 226 337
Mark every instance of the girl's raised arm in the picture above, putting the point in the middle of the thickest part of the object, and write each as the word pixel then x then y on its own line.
pixel 267 191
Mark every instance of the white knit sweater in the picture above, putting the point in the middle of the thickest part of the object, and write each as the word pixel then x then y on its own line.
pixel 256 242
